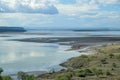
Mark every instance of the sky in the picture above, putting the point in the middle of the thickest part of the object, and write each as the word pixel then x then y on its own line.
pixel 60 13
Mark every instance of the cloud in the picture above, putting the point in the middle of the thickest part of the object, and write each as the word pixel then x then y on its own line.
pixel 85 6
pixel 76 9
pixel 104 2
pixel 80 13
pixel 28 6
pixel 102 14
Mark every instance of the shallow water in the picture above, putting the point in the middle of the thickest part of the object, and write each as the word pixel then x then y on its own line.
pixel 27 56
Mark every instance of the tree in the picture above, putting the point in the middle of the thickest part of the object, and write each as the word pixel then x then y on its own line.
pixel 108 73
pixel 103 61
pixel 25 76
pixel 111 55
pixel 114 65
pixel 6 78
pixel 21 76
pixel 1 70
pixel 63 77
pixel 97 72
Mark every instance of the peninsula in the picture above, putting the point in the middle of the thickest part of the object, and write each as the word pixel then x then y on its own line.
pixel 12 29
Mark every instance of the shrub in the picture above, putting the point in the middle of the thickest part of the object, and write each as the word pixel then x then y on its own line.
pixel 6 78
pixel 103 61
pixel 31 77
pixel 111 55
pixel 24 76
pixel 100 72
pixel 63 77
pixel 108 73
pixel 97 72
pixel 88 71
pixel 114 65
pixel 1 70
pixel 118 56
pixel 84 73
pixel 83 56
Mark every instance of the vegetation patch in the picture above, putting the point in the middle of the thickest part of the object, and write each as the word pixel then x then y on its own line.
pixel 104 65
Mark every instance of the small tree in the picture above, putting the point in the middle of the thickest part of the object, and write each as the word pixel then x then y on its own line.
pixel 114 65
pixel 1 70
pixel 63 77
pixel 111 55
pixel 103 61
pixel 97 72
pixel 108 73
pixel 25 76
pixel 81 73
pixel 118 57
pixel 6 78
pixel 100 72
pixel 22 76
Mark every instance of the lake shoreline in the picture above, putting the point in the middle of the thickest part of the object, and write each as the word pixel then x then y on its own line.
pixel 75 42
pixel 76 45
pixel 104 59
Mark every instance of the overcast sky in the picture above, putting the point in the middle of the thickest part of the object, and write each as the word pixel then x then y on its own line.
pixel 60 13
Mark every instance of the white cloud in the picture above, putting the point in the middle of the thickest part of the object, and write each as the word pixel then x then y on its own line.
pixel 28 6
pixel 102 14
pixel 105 2
pixel 81 13
pixel 84 6
pixel 73 10
pixel 3 22
pixel 25 19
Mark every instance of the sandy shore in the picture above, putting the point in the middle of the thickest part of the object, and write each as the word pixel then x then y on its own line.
pixel 74 42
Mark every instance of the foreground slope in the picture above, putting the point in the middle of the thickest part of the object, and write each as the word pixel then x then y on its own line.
pixel 103 65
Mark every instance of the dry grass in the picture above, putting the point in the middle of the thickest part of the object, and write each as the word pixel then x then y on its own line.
pixel 107 60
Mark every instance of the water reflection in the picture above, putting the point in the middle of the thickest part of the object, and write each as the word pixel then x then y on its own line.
pixel 24 56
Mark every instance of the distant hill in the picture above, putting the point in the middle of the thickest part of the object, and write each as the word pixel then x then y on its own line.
pixel 12 29
pixel 75 28
pixel 96 29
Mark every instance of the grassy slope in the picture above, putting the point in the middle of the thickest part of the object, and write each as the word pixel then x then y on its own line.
pixel 104 65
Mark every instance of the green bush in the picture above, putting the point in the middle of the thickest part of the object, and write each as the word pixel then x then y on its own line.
pixel 84 73
pixel 97 72
pixel 108 73
pixel 31 77
pixel 88 71
pixel 118 56
pixel 6 78
pixel 1 70
pixel 83 56
pixel 100 72
pixel 103 61
pixel 111 55
pixel 25 76
pixel 63 77
pixel 114 65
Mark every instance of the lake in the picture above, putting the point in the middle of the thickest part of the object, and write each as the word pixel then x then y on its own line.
pixel 28 56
